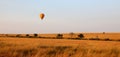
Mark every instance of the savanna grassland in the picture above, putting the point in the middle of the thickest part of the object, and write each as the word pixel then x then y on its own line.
pixel 42 47
pixel 101 35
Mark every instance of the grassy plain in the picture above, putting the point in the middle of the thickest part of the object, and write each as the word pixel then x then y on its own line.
pixel 37 47
pixel 101 35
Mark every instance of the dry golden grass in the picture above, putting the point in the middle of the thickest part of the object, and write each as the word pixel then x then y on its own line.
pixel 31 47
pixel 114 36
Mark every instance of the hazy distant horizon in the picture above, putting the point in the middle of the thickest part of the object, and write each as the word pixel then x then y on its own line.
pixel 61 16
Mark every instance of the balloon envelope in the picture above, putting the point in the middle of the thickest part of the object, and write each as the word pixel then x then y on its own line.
pixel 42 16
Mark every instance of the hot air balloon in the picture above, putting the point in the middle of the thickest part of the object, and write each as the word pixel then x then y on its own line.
pixel 42 16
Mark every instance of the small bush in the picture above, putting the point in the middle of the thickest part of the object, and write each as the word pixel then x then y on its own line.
pixel 118 40
pixel 103 32
pixel 94 39
pixel 84 39
pixel 30 36
pixel 18 35
pixel 35 35
pixel 27 35
pixel 106 39
pixel 59 36
pixel 81 36
pixel 71 34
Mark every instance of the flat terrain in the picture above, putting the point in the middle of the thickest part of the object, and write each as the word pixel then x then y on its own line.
pixel 102 35
pixel 36 47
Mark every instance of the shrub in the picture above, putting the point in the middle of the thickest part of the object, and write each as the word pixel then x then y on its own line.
pixel 84 39
pixel 71 34
pixel 59 36
pixel 118 40
pixel 81 36
pixel 35 35
pixel 18 35
pixel 27 35
pixel 94 39
pixel 106 39
pixel 103 32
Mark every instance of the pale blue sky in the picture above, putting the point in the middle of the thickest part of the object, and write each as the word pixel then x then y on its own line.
pixel 22 16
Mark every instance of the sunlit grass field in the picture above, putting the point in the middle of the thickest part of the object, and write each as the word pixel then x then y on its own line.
pixel 42 47
pixel 101 35
pixel 25 47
